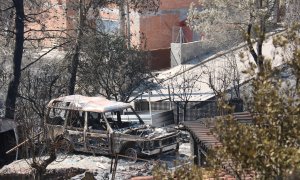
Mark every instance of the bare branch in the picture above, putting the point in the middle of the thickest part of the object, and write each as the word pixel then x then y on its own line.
pixel 39 58
pixel 7 9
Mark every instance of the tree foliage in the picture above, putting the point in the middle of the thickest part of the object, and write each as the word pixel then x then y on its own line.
pixel 89 10
pixel 22 29
pixel 231 22
pixel 116 71
pixel 182 88
pixel 268 148
pixel 38 86
pixel 292 12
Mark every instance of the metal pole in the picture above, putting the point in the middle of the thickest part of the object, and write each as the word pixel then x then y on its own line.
pixel 17 142
pixel 150 109
pixel 180 35
pixel 169 92
pixel 115 167
pixel 180 40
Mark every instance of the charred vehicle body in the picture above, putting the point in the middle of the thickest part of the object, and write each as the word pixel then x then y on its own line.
pixel 100 126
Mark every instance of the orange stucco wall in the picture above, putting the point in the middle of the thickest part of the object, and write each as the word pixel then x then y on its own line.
pixel 158 30
pixel 175 4
pixel 50 26
pixel 161 28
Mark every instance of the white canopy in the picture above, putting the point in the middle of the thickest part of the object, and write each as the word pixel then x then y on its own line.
pixel 84 103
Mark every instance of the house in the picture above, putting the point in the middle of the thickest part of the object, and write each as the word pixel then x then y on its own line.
pixel 154 31
pixel 191 82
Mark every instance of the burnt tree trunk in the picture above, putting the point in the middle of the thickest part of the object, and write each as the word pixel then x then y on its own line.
pixel 76 55
pixel 261 39
pixel 257 55
pixel 13 86
pixel 249 42
pixel 184 111
pixel 177 113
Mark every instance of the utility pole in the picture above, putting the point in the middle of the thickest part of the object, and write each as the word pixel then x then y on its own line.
pixel 150 109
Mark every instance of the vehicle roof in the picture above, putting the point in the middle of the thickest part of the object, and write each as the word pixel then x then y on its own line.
pixel 85 103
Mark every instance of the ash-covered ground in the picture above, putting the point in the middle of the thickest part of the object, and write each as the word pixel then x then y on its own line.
pixel 99 166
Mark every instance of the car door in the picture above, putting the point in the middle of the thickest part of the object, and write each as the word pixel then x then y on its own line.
pixel 75 129
pixel 97 134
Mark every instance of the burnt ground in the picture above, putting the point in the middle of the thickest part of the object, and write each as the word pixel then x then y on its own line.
pixel 74 166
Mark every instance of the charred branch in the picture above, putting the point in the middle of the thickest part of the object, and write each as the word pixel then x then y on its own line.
pixel 249 43
pixel 12 92
pixel 11 7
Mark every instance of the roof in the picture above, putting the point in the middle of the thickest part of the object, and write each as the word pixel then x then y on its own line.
pixel 201 131
pixel 195 76
pixel 243 117
pixel 202 134
pixel 85 103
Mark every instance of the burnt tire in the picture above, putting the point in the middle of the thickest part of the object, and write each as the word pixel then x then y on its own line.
pixel 131 154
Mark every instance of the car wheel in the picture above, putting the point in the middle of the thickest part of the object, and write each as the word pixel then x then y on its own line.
pixel 131 154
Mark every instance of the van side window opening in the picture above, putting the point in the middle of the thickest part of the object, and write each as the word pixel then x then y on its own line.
pixel 112 120
pixel 75 119
pixel 57 116
pixel 96 121
pixel 127 118
pixel 121 119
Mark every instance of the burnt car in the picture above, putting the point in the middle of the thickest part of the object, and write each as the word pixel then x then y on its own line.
pixel 100 126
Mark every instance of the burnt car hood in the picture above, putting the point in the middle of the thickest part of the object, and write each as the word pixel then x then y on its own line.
pixel 150 133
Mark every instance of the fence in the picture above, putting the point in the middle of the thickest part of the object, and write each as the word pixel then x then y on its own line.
pixel 194 110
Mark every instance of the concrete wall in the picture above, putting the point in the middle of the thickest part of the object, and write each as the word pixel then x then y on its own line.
pixel 175 4
pixel 181 53
pixel 175 54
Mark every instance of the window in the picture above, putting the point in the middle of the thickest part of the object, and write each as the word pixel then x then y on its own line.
pixel 122 119
pixel 75 119
pixel 96 121
pixel 108 26
pixel 56 117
